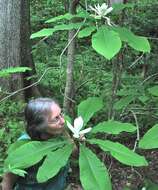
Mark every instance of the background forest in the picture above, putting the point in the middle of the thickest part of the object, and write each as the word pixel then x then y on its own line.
pixel 73 72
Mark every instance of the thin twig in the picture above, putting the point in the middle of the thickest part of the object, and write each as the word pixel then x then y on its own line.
pixel 149 77
pixel 140 57
pixel 34 84
pixel 138 134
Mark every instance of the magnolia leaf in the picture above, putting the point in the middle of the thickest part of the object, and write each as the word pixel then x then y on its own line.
pixel 93 173
pixel 53 163
pixel 120 152
pixel 123 102
pixel 66 16
pixel 69 16
pixel 86 31
pixel 150 139
pixel 87 108
pixel 138 43
pixel 43 33
pixel 13 70
pixel 113 127
pixel 46 32
pixel 153 90
pixel 31 153
pixel 68 26
pixel 16 145
pixel 106 42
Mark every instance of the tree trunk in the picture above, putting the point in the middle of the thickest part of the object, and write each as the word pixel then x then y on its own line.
pixel 25 50
pixel 68 95
pixel 10 42
pixel 15 49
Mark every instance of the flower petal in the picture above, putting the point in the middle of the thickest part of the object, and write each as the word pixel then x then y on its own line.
pixel 76 135
pixel 104 6
pixel 70 127
pixel 108 10
pixel 85 131
pixel 78 123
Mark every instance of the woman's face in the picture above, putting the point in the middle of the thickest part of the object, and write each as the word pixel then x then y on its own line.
pixel 55 120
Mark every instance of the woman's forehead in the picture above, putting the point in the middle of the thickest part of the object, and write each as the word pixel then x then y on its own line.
pixel 55 109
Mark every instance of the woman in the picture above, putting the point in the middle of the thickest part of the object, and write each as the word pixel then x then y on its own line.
pixel 44 120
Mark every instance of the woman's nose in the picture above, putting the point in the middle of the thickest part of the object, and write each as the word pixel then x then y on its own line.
pixel 62 121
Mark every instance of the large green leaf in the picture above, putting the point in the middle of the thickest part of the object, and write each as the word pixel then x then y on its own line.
pixel 87 108
pixel 31 153
pixel 93 173
pixel 66 16
pixel 153 90
pixel 86 31
pixel 150 139
pixel 12 70
pixel 16 145
pixel 54 162
pixel 106 42
pixel 42 33
pixel 113 127
pixel 49 31
pixel 69 16
pixel 138 43
pixel 123 102
pixel 120 152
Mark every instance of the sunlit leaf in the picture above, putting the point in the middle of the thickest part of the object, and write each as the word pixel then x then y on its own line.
pixel 120 152
pixel 87 108
pixel 31 153
pixel 54 162
pixel 93 173
pixel 113 127
pixel 138 43
pixel 86 31
pixel 13 70
pixel 150 139
pixel 106 42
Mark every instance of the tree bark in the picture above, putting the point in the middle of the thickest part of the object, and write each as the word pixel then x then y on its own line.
pixel 10 42
pixel 25 50
pixel 68 95
pixel 15 49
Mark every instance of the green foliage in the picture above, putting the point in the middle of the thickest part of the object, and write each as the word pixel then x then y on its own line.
pixel 87 108
pixel 58 159
pixel 13 70
pixel 123 102
pixel 120 152
pixel 150 139
pixel 113 127
pixel 30 153
pixel 136 42
pixel 103 42
pixel 132 93
pixel 153 90
pixel 86 31
pixel 93 176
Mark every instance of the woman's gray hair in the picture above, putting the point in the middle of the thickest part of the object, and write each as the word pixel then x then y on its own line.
pixel 36 115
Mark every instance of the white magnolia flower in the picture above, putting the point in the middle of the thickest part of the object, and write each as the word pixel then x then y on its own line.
pixel 76 129
pixel 102 11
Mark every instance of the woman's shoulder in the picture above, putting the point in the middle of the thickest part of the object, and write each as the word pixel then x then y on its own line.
pixel 24 136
